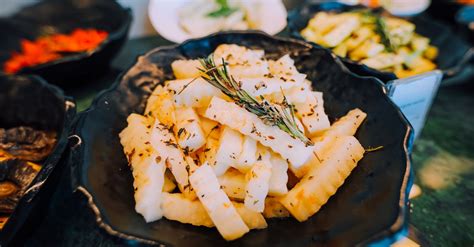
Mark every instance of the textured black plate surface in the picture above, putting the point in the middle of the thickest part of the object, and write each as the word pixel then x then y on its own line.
pixel 451 47
pixel 63 16
pixel 30 101
pixel 371 205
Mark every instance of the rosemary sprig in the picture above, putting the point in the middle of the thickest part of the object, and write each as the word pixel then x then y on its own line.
pixel 281 115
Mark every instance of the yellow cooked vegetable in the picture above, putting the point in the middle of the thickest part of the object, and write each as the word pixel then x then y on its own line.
pixel 381 42
pixel 345 126
pixel 322 181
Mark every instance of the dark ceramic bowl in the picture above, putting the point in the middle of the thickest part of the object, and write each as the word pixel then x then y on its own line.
pixel 452 48
pixel 370 206
pixel 30 101
pixel 63 16
pixel 445 9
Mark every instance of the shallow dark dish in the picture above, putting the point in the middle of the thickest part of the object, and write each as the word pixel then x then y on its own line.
pixel 63 16
pixel 445 9
pixel 30 101
pixel 451 47
pixel 371 206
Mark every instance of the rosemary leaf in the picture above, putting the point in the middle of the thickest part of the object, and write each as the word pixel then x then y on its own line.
pixel 281 115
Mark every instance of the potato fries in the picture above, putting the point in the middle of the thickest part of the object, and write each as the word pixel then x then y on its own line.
pixel 201 158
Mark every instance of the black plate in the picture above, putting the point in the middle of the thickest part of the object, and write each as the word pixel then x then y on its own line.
pixel 30 101
pixel 371 205
pixel 451 47
pixel 63 16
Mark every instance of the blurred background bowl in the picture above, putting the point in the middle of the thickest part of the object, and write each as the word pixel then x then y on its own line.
pixel 30 101
pixel 452 48
pixel 63 16
pixel 164 16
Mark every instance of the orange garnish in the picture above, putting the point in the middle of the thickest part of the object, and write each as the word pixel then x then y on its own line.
pixel 49 48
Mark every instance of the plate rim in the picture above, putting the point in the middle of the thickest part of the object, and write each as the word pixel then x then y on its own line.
pixel 328 6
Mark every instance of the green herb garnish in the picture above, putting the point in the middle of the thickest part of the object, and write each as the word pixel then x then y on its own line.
pixel 380 27
pixel 369 149
pixel 281 115
pixel 224 9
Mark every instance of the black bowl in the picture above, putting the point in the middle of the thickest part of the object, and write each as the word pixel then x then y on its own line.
pixel 370 206
pixel 30 101
pixel 63 16
pixel 451 47
pixel 445 10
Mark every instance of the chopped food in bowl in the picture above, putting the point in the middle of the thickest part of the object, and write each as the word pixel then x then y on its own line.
pixel 244 137
pixel 235 122
pixel 381 42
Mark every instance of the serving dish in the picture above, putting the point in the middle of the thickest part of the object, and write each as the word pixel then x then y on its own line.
pixel 451 47
pixel 164 16
pixel 370 206
pixel 49 17
pixel 446 9
pixel 30 101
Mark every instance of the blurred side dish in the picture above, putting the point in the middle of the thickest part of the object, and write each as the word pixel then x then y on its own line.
pixel 237 139
pixel 52 47
pixel 381 42
pixel 202 17
pixel 22 149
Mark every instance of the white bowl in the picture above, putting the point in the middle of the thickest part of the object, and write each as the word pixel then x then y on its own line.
pixel 164 17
